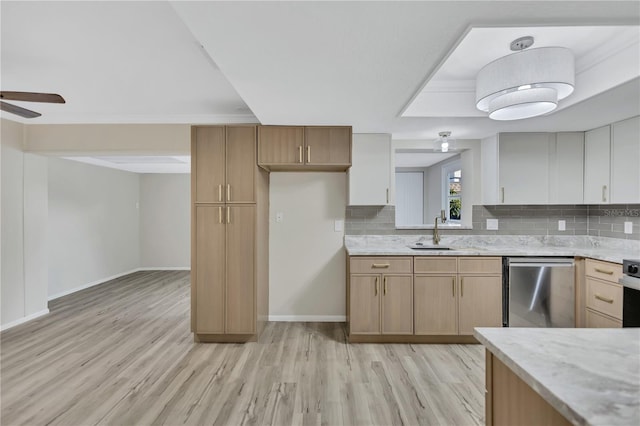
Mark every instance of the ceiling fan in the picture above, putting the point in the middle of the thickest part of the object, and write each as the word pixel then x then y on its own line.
pixel 51 98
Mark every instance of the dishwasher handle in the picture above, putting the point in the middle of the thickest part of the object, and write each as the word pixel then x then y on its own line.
pixel 537 265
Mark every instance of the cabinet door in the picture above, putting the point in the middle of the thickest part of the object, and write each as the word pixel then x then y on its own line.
pixel 625 152
pixel 370 172
pixel 280 145
pixel 597 320
pixel 436 307
pixel 597 155
pixel 397 304
pixel 208 152
pixel 241 225
pixel 364 304
pixel 567 169
pixel 327 145
pixel 480 303
pixel 209 269
pixel 524 168
pixel 241 164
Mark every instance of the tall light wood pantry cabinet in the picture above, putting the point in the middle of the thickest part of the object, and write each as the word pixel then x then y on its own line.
pixel 229 241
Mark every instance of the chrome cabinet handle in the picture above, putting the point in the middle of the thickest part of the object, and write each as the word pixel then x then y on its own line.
pixel 453 286
pixel 604 299
pixel 385 285
pixel 502 191
pixel 376 287
pixel 461 287
pixel 219 214
pixel 228 192
pixel 219 192
pixel 308 154
pixel 604 193
pixel 300 154
pixel 387 195
pixel 228 214
pixel 604 271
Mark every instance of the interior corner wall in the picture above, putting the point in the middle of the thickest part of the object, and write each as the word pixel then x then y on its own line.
pixel 12 223
pixel 307 260
pixel 93 225
pixel 165 218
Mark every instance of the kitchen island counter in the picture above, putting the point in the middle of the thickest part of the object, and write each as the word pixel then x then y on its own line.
pixel 590 376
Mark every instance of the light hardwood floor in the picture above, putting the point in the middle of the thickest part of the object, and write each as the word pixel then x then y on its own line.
pixel 122 353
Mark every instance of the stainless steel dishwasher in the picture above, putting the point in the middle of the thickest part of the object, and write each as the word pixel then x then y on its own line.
pixel 539 292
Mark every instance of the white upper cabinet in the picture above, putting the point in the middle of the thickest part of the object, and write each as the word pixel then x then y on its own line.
pixel 370 172
pixel 566 168
pixel 625 160
pixel 597 157
pixel 523 168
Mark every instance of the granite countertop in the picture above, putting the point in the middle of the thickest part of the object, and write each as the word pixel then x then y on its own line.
pixel 607 249
pixel 591 376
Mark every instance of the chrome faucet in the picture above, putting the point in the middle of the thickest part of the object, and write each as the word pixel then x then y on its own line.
pixel 436 235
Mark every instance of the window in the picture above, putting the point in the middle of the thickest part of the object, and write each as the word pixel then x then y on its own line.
pixel 452 198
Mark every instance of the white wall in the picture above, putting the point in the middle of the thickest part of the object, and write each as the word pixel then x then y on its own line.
pixel 307 261
pixel 165 238
pixel 23 221
pixel 93 224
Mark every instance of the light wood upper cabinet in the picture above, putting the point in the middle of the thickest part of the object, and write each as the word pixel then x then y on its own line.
pixel 280 145
pixel 209 269
pixel 240 164
pixel 480 303
pixel 208 165
pixel 328 146
pixel 436 304
pixel 625 153
pixel 313 148
pixel 397 304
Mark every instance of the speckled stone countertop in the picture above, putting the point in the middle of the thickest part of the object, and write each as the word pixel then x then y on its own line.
pixel 608 249
pixel 591 376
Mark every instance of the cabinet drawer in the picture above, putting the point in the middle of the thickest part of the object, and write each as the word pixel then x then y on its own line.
pixel 603 270
pixel 435 265
pixel 596 320
pixel 380 265
pixel 480 265
pixel 604 297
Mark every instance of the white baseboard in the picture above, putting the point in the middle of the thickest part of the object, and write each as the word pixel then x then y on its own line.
pixel 91 284
pixel 165 268
pixel 24 319
pixel 308 318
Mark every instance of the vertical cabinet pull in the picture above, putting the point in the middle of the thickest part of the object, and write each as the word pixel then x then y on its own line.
pixel 604 193
pixel 228 192
pixel 502 194
pixel 228 214
pixel 300 154
pixel 387 195
pixel 461 287
pixel 219 214
pixel 376 287
pixel 219 192
pixel 385 285
pixel 308 154
pixel 453 286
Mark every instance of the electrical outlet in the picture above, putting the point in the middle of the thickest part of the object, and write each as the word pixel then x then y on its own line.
pixel 279 217
pixel 492 224
pixel 338 225
pixel 628 227
pixel 562 225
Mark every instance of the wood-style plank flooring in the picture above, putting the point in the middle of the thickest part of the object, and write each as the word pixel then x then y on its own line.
pixel 121 353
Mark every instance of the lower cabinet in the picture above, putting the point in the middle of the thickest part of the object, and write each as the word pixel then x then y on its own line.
pixel 443 296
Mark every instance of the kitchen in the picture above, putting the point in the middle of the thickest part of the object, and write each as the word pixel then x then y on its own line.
pixel 313 216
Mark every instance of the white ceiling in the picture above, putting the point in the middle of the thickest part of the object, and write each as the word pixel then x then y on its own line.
pixel 355 63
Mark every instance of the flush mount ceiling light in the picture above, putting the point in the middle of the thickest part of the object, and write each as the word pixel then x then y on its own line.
pixel 443 143
pixel 527 83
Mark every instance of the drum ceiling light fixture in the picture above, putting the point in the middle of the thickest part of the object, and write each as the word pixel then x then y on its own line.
pixel 527 83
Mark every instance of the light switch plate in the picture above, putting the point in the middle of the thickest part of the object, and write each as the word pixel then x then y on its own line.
pixel 279 217
pixel 492 224
pixel 338 225
pixel 628 227
pixel 562 225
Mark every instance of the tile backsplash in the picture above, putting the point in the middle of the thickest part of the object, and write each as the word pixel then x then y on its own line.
pixel 606 220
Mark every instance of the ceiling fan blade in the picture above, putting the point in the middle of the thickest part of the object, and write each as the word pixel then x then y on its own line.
pixel 51 98
pixel 22 112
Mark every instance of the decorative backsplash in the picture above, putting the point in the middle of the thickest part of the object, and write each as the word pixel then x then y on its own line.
pixel 604 220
